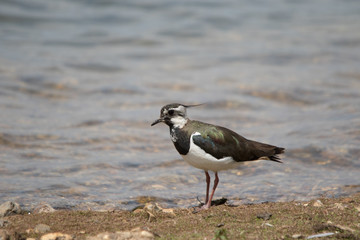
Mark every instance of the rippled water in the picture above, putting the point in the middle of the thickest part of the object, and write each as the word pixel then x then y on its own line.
pixel 81 81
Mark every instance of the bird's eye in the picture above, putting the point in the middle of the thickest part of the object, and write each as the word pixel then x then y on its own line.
pixel 171 112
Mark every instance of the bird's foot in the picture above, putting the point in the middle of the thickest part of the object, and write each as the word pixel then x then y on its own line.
pixel 200 208
pixel 203 206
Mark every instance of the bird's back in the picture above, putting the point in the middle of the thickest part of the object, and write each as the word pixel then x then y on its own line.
pixel 221 142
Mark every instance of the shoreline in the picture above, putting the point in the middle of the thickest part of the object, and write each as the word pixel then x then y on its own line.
pixel 338 217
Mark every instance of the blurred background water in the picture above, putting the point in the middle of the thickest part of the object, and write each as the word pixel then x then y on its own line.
pixel 81 82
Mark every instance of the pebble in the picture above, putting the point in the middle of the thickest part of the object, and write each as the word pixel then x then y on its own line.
pixel 9 208
pixel 4 235
pixel 41 228
pixel 169 211
pixel 265 216
pixel 318 203
pixel 135 233
pixel 43 208
pixel 297 236
pixel 152 209
pixel 56 236
pixel 339 206
pixel 4 223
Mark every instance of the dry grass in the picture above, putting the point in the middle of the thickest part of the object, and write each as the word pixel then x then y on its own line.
pixel 288 220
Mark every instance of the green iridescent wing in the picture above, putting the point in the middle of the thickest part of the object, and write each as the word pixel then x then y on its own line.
pixel 221 142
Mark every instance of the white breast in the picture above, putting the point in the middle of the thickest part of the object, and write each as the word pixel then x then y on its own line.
pixel 200 159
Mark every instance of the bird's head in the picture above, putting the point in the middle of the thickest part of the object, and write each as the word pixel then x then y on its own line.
pixel 173 115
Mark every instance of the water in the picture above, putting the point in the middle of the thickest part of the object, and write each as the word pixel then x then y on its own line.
pixel 81 82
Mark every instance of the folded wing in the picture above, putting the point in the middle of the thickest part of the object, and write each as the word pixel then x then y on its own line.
pixel 221 142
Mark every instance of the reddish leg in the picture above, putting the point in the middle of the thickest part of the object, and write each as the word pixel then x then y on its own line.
pixel 208 203
pixel 207 186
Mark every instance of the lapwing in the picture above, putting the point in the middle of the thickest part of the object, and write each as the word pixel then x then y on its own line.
pixel 210 147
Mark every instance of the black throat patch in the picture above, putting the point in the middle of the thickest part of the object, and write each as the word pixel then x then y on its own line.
pixel 181 140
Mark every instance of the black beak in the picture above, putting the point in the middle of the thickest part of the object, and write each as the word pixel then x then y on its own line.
pixel 157 121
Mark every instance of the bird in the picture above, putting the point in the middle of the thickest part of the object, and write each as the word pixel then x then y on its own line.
pixel 210 147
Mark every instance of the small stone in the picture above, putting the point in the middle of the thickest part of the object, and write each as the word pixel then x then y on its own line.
pixel 265 216
pixel 107 236
pixel 168 211
pixel 56 236
pixel 123 235
pixel 4 223
pixel 41 228
pixel 318 203
pixel 4 235
pixel 43 208
pixel 141 234
pixel 297 236
pixel 220 225
pixel 146 235
pixel 135 233
pixel 339 206
pixel 9 208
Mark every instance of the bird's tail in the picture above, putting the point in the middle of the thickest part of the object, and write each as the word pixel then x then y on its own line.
pixel 275 157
